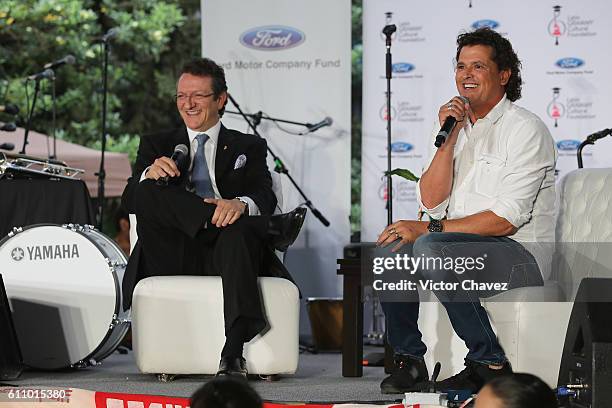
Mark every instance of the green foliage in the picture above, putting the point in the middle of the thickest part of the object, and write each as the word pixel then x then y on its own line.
pixel 404 173
pixel 155 37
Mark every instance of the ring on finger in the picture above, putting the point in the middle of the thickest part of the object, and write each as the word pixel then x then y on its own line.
pixel 397 235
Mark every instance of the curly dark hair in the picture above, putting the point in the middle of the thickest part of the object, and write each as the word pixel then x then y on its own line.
pixel 502 53
pixel 205 67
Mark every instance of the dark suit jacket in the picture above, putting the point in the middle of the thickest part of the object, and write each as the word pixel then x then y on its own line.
pixel 252 180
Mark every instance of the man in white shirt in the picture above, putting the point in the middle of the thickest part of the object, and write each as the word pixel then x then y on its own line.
pixel 487 188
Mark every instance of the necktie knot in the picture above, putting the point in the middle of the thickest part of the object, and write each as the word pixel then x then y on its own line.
pixel 201 138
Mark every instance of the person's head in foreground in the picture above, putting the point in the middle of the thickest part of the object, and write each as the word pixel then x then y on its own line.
pixel 518 390
pixel 226 392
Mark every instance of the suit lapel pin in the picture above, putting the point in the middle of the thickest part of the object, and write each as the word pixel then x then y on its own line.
pixel 225 147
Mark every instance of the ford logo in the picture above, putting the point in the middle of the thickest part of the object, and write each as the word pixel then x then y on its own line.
pixel 402 67
pixel 569 63
pixel 272 38
pixel 568 144
pixel 492 24
pixel 401 147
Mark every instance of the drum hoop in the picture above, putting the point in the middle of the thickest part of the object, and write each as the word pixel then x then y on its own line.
pixel 118 291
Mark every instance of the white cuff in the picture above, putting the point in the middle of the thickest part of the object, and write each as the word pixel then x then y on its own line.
pixel 253 208
pixel 144 174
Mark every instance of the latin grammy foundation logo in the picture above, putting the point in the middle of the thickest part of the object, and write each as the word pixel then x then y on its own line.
pixel 556 109
pixel 556 27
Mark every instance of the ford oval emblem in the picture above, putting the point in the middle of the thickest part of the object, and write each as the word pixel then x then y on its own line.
pixel 568 144
pixel 492 24
pixel 272 38
pixel 569 63
pixel 402 67
pixel 401 147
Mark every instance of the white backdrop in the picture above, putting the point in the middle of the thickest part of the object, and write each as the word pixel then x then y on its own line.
pixel 293 61
pixel 565 50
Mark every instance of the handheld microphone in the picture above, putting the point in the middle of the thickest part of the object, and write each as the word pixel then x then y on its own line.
pixel 180 154
pixel 9 108
pixel 68 59
pixel 7 146
pixel 314 127
pixel 447 127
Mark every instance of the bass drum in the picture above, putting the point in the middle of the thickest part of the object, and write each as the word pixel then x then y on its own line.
pixel 63 284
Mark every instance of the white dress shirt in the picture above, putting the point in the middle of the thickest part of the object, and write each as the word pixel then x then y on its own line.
pixel 505 163
pixel 210 152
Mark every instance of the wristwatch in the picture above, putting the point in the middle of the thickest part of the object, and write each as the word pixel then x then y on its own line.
pixel 246 205
pixel 435 226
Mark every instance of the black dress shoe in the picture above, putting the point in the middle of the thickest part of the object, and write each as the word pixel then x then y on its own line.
pixel 232 366
pixel 285 228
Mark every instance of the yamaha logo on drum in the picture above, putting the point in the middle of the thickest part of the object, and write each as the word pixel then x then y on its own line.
pixel 17 254
pixel 45 252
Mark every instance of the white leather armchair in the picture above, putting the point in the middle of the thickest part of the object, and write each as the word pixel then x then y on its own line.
pixel 178 326
pixel 533 333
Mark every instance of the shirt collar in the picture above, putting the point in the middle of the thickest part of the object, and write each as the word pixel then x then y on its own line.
pixel 498 110
pixel 213 133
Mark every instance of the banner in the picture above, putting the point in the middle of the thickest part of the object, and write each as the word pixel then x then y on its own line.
pixel 564 68
pixel 292 61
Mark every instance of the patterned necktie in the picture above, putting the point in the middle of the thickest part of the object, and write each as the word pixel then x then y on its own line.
pixel 200 176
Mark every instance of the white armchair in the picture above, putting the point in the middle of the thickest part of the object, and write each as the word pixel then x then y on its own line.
pixel 533 333
pixel 178 325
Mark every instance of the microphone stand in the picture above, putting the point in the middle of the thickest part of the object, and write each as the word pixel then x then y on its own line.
pixel 30 114
pixel 102 171
pixel 375 358
pixel 257 117
pixel 279 166
pixel 388 30
pixel 590 140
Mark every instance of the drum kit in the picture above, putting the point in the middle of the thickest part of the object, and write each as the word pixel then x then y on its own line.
pixel 63 282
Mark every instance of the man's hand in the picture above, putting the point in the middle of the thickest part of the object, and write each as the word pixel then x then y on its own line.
pixel 402 231
pixel 161 167
pixel 227 211
pixel 458 109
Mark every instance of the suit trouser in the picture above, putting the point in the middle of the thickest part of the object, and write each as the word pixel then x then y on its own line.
pixel 174 241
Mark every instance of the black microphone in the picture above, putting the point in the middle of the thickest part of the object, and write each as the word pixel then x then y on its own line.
pixel 8 127
pixel 598 135
pixel 314 127
pixel 68 59
pixel 46 74
pixel 447 127
pixel 389 29
pixel 109 35
pixel 181 153
pixel 9 108
pixel 7 146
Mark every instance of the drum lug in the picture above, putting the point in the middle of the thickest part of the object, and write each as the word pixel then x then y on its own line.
pixel 166 377
pixel 116 322
pixel 84 364
pixel 14 231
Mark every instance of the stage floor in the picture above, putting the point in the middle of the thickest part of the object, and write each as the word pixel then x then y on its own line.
pixel 318 379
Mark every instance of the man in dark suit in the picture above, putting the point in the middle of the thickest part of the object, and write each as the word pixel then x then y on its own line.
pixel 212 216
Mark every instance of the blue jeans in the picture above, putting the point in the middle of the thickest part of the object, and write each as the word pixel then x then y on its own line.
pixel 508 261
